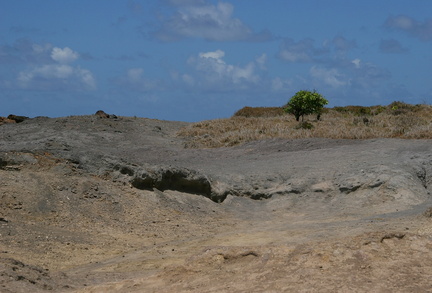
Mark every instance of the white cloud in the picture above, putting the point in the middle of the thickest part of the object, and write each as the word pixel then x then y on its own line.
pixel 278 84
pixel 342 44
pixel 185 2
pixel 392 46
pixel 218 55
pixel 135 80
pixel 331 77
pixel 46 72
pixel 305 51
pixel 49 68
pixel 40 49
pixel 212 72
pixel 23 51
pixel 354 75
pixel 41 77
pixel 86 77
pixel 367 75
pixel 135 74
pixel 262 61
pixel 402 22
pixel 356 63
pixel 417 29
pixel 189 80
pixel 301 51
pixel 200 19
pixel 294 56
pixel 64 56
pixel 245 74
pixel 334 67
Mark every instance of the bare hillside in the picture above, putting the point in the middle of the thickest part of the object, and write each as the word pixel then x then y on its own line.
pixel 119 204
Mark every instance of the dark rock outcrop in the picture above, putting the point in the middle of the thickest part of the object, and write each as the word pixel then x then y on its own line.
pixel 16 118
pixel 102 114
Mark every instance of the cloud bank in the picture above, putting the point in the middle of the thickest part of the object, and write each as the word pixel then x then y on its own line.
pixel 135 80
pixel 46 68
pixel 59 75
pixel 414 28
pixel 200 19
pixel 392 46
pixel 210 72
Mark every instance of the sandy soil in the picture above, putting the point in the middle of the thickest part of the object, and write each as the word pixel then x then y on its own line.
pixel 117 204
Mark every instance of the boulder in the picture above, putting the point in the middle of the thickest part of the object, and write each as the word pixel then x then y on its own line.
pixel 16 118
pixel 102 114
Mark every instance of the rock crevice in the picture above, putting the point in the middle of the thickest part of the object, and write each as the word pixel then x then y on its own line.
pixel 171 178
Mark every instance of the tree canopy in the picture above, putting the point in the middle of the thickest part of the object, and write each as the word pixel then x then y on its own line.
pixel 305 103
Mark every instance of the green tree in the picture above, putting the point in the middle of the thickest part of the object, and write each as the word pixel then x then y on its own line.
pixel 305 103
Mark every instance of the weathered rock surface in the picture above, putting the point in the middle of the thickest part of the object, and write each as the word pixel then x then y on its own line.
pixel 100 198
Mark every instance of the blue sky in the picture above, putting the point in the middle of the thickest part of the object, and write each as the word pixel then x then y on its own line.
pixel 194 60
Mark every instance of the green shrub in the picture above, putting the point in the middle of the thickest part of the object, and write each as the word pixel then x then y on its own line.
pixel 401 108
pixel 305 103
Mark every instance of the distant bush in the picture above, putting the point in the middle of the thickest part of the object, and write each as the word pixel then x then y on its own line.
pixel 305 103
pixel 259 112
pixel 401 105
pixel 395 108
pixel 399 108
pixel 361 110
pixel 356 110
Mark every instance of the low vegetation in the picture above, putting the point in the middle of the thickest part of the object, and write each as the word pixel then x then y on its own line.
pixel 260 112
pixel 306 103
pixel 397 120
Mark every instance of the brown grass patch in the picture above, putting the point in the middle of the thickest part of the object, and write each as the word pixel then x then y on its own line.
pixel 397 120
pixel 260 112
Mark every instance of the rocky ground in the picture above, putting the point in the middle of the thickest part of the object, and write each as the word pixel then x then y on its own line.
pixel 117 204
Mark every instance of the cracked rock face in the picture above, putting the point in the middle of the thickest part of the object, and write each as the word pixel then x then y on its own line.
pixel 147 159
pixel 178 179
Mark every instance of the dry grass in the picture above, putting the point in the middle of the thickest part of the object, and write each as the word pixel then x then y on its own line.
pixel 397 120
pixel 260 112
